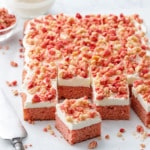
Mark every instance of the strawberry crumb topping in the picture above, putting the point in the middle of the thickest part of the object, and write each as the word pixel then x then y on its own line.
pixel 142 87
pixel 78 109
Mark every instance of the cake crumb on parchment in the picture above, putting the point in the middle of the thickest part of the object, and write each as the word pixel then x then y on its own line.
pixel 13 64
pixel 15 92
pixel 49 129
pixel 92 145
pixel 12 83
pixel 107 136
pixel 26 146
pixel 31 122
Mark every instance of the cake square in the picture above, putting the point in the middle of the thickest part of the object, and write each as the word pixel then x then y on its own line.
pixel 74 78
pixel 77 120
pixel 140 100
pixel 111 92
pixel 39 94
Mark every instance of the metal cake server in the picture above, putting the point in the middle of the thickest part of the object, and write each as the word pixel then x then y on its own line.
pixel 10 125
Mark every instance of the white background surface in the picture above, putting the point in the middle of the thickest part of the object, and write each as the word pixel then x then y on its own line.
pixel 45 141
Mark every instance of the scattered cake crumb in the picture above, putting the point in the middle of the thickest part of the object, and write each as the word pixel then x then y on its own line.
pixel 139 128
pixel 49 129
pixel 92 145
pixel 20 42
pixel 142 146
pixel 12 83
pixel 107 136
pixel 144 135
pixel 99 138
pixel 21 56
pixel 14 64
pixel 21 50
pixel 15 92
pixel 119 134
pixel 27 146
pixel 122 130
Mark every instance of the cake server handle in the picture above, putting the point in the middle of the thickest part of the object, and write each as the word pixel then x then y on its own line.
pixel 17 143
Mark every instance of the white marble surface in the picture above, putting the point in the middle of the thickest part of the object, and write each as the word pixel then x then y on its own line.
pixel 44 141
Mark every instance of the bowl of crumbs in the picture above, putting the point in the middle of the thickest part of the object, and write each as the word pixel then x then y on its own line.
pixel 8 23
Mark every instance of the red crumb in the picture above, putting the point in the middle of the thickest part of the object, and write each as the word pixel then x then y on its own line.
pixel 45 129
pixel 13 64
pixel 139 129
pixel 21 50
pixel 20 42
pixel 92 145
pixel 27 146
pixel 21 56
pixel 122 130
pixel 12 83
pixel 30 145
pixel 107 136
pixel 148 134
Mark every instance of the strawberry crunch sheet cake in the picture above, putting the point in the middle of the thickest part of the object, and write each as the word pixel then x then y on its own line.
pixel 69 57
pixel 77 120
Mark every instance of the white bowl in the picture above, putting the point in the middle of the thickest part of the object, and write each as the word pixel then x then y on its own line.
pixel 31 8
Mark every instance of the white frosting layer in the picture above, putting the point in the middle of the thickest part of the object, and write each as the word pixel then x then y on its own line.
pixel 29 104
pixel 148 52
pixel 75 81
pixel 111 101
pixel 140 98
pixel 76 125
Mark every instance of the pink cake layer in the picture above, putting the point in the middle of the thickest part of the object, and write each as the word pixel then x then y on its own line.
pixel 114 112
pixel 45 113
pixel 70 92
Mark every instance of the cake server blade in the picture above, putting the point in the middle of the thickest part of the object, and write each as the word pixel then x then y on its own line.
pixel 10 125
